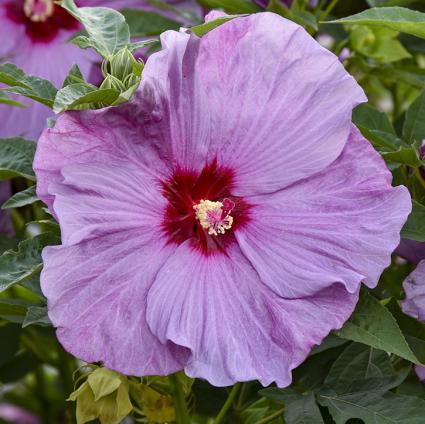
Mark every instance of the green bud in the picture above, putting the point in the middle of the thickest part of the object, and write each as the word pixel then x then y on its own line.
pixel 104 396
pixel 122 63
pixel 112 82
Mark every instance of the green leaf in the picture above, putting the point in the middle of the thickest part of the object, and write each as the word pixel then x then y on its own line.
pixel 16 157
pixel 83 96
pixel 360 367
pixel 405 155
pixel 373 325
pixel 143 23
pixel 231 6
pixel 74 76
pixel 22 198
pixel 299 408
pixel 367 117
pixel 106 28
pixel 6 100
pixel 201 30
pixel 37 315
pixel 414 228
pixel 413 330
pixel 380 44
pixel 414 124
pixel 17 266
pixel 374 408
pixel 29 86
pixel 13 310
pixel 396 18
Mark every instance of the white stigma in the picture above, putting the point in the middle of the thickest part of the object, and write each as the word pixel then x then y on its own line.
pixel 38 10
pixel 214 216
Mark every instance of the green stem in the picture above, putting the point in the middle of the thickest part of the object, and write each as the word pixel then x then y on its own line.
pixel 272 417
pixel 241 399
pixel 328 10
pixel 182 414
pixel 227 404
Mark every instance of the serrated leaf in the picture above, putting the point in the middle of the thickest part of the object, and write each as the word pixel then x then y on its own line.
pixel 16 157
pixel 106 28
pixel 414 228
pixel 397 18
pixel 17 266
pixel 374 408
pixel 30 86
pixel 143 23
pixel 201 30
pixel 6 100
pixel 373 325
pixel 22 198
pixel 414 124
pixel 299 408
pixel 37 315
pixel 83 96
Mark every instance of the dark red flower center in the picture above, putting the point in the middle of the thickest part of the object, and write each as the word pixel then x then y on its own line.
pixel 43 19
pixel 202 208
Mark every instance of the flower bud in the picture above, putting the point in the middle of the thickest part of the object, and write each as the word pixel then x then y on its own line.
pixel 104 396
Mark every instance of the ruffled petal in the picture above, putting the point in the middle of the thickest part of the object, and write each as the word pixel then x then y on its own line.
pixel 339 226
pixel 97 292
pixel 414 287
pixel 235 327
pixel 114 136
pixel 225 98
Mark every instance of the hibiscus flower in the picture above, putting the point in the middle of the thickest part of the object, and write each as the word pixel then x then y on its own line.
pixel 35 36
pixel 224 219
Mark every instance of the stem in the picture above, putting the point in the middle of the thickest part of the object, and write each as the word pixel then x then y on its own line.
pixel 241 399
pixel 328 10
pixel 227 404
pixel 182 414
pixel 270 418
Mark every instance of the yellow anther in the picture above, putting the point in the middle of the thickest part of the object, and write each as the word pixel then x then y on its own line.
pixel 38 10
pixel 213 217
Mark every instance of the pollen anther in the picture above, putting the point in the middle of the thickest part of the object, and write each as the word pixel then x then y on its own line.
pixel 38 10
pixel 214 216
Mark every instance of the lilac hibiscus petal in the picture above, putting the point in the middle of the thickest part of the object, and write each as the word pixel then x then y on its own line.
pixel 109 136
pixel 338 226
pixel 97 294
pixel 235 327
pixel 225 98
pixel 414 287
